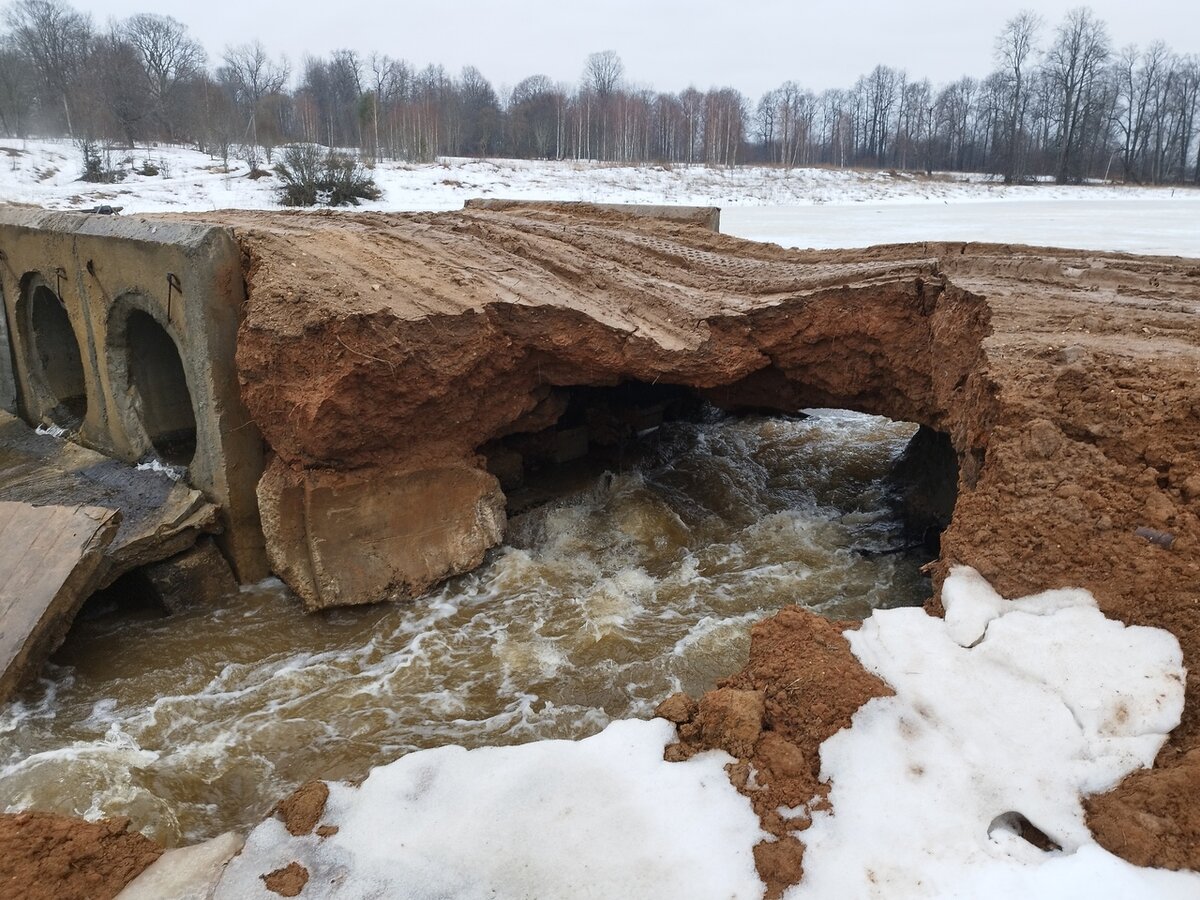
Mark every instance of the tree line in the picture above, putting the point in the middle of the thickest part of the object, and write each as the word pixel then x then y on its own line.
pixel 1061 102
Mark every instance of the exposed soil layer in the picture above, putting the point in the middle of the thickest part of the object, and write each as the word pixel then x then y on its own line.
pixel 375 345
pixel 44 856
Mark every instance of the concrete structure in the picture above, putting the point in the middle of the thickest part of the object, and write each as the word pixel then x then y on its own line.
pixel 48 556
pixel 123 332
pixel 73 521
pixel 8 379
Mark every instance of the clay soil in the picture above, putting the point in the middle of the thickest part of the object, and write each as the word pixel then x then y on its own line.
pixel 1066 380
pixel 44 856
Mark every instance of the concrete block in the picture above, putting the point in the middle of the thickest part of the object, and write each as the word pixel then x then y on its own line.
pixel 197 577
pixel 49 556
pixel 160 517
pixel 185 873
pixel 340 539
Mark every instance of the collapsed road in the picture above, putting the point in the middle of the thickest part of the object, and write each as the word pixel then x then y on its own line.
pixel 354 392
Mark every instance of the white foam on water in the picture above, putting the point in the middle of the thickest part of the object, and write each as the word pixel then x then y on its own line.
pixel 606 602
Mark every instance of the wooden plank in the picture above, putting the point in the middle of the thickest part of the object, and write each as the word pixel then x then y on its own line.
pixel 50 557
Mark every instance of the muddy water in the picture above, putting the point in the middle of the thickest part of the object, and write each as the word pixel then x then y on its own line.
pixel 602 604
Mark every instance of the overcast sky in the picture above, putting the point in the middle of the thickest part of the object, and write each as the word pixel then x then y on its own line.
pixel 752 45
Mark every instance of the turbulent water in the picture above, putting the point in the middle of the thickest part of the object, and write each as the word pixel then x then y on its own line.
pixel 601 604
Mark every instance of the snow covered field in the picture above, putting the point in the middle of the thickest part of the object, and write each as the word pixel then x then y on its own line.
pixel 1001 710
pixel 802 208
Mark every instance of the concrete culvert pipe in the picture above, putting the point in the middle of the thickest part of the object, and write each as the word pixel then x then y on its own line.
pixel 57 358
pixel 164 401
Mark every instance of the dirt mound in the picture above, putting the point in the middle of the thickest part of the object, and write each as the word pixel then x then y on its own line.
pixel 44 856
pixel 1153 817
pixel 800 687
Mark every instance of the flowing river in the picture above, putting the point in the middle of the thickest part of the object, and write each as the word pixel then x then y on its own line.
pixel 601 604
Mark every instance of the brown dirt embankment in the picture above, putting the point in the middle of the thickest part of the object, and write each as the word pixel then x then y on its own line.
pixel 1066 380
pixel 44 856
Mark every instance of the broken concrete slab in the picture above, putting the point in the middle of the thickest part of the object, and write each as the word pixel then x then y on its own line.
pixel 49 558
pixel 199 576
pixel 348 538
pixel 160 517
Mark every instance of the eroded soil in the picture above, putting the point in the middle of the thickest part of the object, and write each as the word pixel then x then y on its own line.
pixel 1066 380
pixel 44 856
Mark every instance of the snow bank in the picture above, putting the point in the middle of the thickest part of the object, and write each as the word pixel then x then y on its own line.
pixel 1005 709
pixel 603 817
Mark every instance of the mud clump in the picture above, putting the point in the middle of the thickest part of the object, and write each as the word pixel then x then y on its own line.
pixel 303 809
pixel 731 720
pixel 288 881
pixel 801 686
pixel 1152 818
pixel 44 856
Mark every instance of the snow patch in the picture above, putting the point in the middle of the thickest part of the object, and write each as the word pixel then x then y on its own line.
pixel 1005 709
pixel 793 207
pixel 175 473
pixel 602 817
pixel 52 430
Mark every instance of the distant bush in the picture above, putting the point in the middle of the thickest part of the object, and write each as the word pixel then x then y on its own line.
pixel 310 175
pixel 152 168
pixel 97 166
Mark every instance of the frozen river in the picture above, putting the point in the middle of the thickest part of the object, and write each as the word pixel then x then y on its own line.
pixel 1162 225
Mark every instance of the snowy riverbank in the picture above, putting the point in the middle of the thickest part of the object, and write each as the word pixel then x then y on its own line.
pixel 1005 712
pixel 820 208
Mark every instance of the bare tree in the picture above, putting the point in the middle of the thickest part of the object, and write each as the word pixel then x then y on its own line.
pixel 387 79
pixel 116 105
pixel 601 74
pixel 1014 47
pixel 602 71
pixel 170 59
pixel 254 77
pixel 55 38
pixel 17 91
pixel 1075 62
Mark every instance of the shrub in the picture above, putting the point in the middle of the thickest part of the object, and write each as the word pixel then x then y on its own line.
pixel 310 175
pixel 97 167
